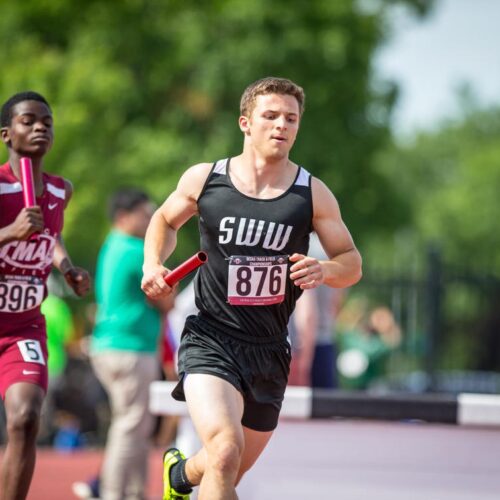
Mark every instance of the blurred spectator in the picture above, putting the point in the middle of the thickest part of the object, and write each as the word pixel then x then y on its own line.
pixel 312 332
pixel 365 348
pixel 168 347
pixel 60 329
pixel 302 331
pixel 383 322
pixel 124 346
pixel 167 427
pixel 187 438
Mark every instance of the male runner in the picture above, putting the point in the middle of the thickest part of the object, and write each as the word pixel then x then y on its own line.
pixel 30 243
pixel 256 211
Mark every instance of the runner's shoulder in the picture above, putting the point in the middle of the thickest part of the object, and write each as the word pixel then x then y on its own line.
pixel 194 178
pixel 200 170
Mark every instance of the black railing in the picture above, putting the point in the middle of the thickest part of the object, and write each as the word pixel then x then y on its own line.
pixel 450 326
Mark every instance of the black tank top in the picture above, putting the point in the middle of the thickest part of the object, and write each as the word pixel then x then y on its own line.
pixel 245 286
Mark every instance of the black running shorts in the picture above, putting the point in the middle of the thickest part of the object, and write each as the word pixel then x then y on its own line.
pixel 259 371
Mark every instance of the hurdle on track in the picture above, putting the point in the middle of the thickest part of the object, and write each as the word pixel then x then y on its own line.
pixel 307 403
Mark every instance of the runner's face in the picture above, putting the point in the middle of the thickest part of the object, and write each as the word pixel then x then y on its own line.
pixel 273 124
pixel 31 130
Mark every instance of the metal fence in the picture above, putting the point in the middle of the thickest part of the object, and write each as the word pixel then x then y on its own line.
pixel 450 327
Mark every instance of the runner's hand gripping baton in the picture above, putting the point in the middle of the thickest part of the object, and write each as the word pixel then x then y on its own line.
pixel 27 182
pixel 185 268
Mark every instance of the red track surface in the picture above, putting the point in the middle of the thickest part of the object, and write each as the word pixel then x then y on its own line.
pixel 334 460
pixel 55 473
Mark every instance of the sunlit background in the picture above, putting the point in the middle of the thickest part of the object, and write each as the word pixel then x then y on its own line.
pixel 402 122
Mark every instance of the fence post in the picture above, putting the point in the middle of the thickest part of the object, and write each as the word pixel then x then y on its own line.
pixel 433 313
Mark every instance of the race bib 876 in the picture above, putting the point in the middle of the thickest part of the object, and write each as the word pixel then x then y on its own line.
pixel 256 281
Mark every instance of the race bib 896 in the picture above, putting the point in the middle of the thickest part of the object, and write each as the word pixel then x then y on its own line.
pixel 256 281
pixel 19 295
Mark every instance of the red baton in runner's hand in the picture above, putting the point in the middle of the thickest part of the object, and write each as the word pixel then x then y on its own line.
pixel 27 182
pixel 185 268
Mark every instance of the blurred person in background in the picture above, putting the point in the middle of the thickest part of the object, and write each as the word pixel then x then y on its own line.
pixel 60 329
pixel 124 345
pixel 167 424
pixel 31 245
pixel 186 438
pixel 312 332
pixel 366 346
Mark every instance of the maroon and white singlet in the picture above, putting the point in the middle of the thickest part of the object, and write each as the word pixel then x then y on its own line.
pixel 24 269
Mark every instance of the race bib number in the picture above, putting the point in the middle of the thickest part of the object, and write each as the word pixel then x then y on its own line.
pixel 256 281
pixel 31 351
pixel 20 295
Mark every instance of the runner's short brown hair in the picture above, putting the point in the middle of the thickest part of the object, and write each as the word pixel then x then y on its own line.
pixel 270 85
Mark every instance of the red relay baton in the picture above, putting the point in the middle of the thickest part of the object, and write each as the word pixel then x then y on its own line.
pixel 185 268
pixel 27 182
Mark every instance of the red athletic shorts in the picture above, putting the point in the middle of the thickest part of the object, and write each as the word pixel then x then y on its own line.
pixel 23 355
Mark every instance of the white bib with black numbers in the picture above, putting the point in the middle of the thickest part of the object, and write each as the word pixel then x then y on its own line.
pixel 19 294
pixel 31 351
pixel 256 280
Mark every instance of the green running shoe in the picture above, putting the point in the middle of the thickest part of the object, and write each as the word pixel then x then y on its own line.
pixel 170 458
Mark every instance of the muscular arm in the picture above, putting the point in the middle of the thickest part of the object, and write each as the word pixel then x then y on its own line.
pixel 343 269
pixel 161 235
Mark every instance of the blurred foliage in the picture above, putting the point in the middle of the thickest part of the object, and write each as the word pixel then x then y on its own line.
pixel 141 89
pixel 452 177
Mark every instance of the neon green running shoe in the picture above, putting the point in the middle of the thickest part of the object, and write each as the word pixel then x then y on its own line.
pixel 170 458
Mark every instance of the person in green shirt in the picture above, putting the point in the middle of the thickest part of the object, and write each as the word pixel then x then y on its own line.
pixel 365 350
pixel 124 345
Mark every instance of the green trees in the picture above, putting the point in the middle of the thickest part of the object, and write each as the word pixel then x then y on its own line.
pixel 451 177
pixel 142 89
